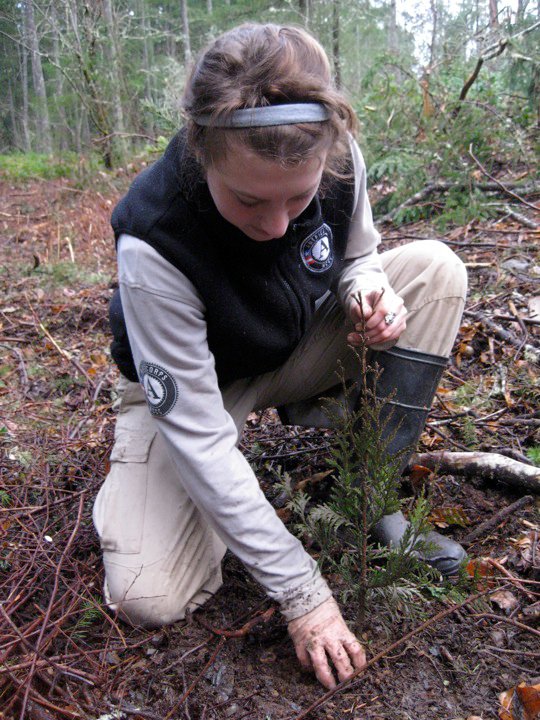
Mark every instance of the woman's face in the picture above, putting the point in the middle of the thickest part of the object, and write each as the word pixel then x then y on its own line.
pixel 260 196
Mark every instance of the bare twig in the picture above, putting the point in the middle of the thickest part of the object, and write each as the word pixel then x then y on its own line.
pixel 260 617
pixel 497 518
pixel 210 662
pixel 49 608
pixel 509 621
pixel 503 334
pixel 499 183
pixel 514 580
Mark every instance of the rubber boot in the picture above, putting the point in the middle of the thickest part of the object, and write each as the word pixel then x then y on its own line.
pixel 410 379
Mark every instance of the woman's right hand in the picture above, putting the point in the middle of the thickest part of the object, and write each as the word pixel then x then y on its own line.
pixel 381 318
pixel 322 635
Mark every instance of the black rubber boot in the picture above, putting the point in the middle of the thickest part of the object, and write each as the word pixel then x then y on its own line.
pixel 410 379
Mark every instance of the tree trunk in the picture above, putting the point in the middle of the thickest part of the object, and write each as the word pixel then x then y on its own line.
pixel 43 127
pixel 493 14
pixel 63 125
pixel 303 9
pixel 13 118
pixel 392 28
pixel 23 60
pixel 185 32
pixel 434 31
pixel 115 70
pixel 148 60
pixel 209 7
pixel 335 42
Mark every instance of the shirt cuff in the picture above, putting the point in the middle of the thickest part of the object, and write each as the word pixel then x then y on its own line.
pixel 305 598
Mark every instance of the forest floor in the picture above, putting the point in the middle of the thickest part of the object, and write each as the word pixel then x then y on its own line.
pixel 63 655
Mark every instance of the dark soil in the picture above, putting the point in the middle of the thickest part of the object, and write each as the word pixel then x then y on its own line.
pixel 62 655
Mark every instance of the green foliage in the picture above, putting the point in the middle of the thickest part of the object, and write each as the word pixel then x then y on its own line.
pixel 533 454
pixel 416 131
pixel 68 273
pixel 365 488
pixel 469 433
pixel 90 614
pixel 25 166
pixel 462 205
pixel 5 498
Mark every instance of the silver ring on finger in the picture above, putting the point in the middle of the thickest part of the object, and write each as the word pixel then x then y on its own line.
pixel 389 318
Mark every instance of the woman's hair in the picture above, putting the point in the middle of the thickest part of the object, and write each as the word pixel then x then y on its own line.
pixel 256 65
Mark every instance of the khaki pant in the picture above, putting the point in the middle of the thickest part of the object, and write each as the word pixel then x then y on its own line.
pixel 160 556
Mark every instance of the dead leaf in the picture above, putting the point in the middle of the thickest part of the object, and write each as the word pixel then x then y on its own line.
pixel 313 479
pixel 482 571
pixel 504 599
pixel 467 332
pixel 284 514
pixel 521 702
pixel 529 697
pixel 525 545
pixel 419 477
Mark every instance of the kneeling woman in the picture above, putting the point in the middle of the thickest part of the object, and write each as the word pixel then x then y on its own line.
pixel 240 252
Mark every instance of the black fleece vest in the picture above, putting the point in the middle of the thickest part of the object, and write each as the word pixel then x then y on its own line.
pixel 259 296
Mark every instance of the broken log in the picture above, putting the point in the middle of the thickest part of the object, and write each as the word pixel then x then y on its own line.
pixel 486 466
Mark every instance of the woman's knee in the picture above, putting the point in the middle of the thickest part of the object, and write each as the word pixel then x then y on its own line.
pixel 434 264
pixel 152 594
pixel 437 259
pixel 149 607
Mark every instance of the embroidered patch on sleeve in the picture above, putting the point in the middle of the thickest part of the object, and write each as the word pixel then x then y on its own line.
pixel 159 387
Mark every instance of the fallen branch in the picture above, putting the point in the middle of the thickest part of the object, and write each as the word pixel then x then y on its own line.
pixel 520 218
pixel 486 466
pixel 440 186
pixel 497 518
pixel 525 321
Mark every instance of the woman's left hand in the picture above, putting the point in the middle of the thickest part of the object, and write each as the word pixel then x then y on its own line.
pixel 384 317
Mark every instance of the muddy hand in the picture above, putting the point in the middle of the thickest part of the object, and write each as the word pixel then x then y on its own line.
pixel 321 637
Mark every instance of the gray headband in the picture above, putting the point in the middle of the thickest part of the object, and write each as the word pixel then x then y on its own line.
pixel 269 115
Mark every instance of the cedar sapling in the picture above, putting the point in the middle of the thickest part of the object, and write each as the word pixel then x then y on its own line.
pixel 365 488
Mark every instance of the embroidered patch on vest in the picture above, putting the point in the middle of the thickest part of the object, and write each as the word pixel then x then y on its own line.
pixel 316 250
pixel 159 387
